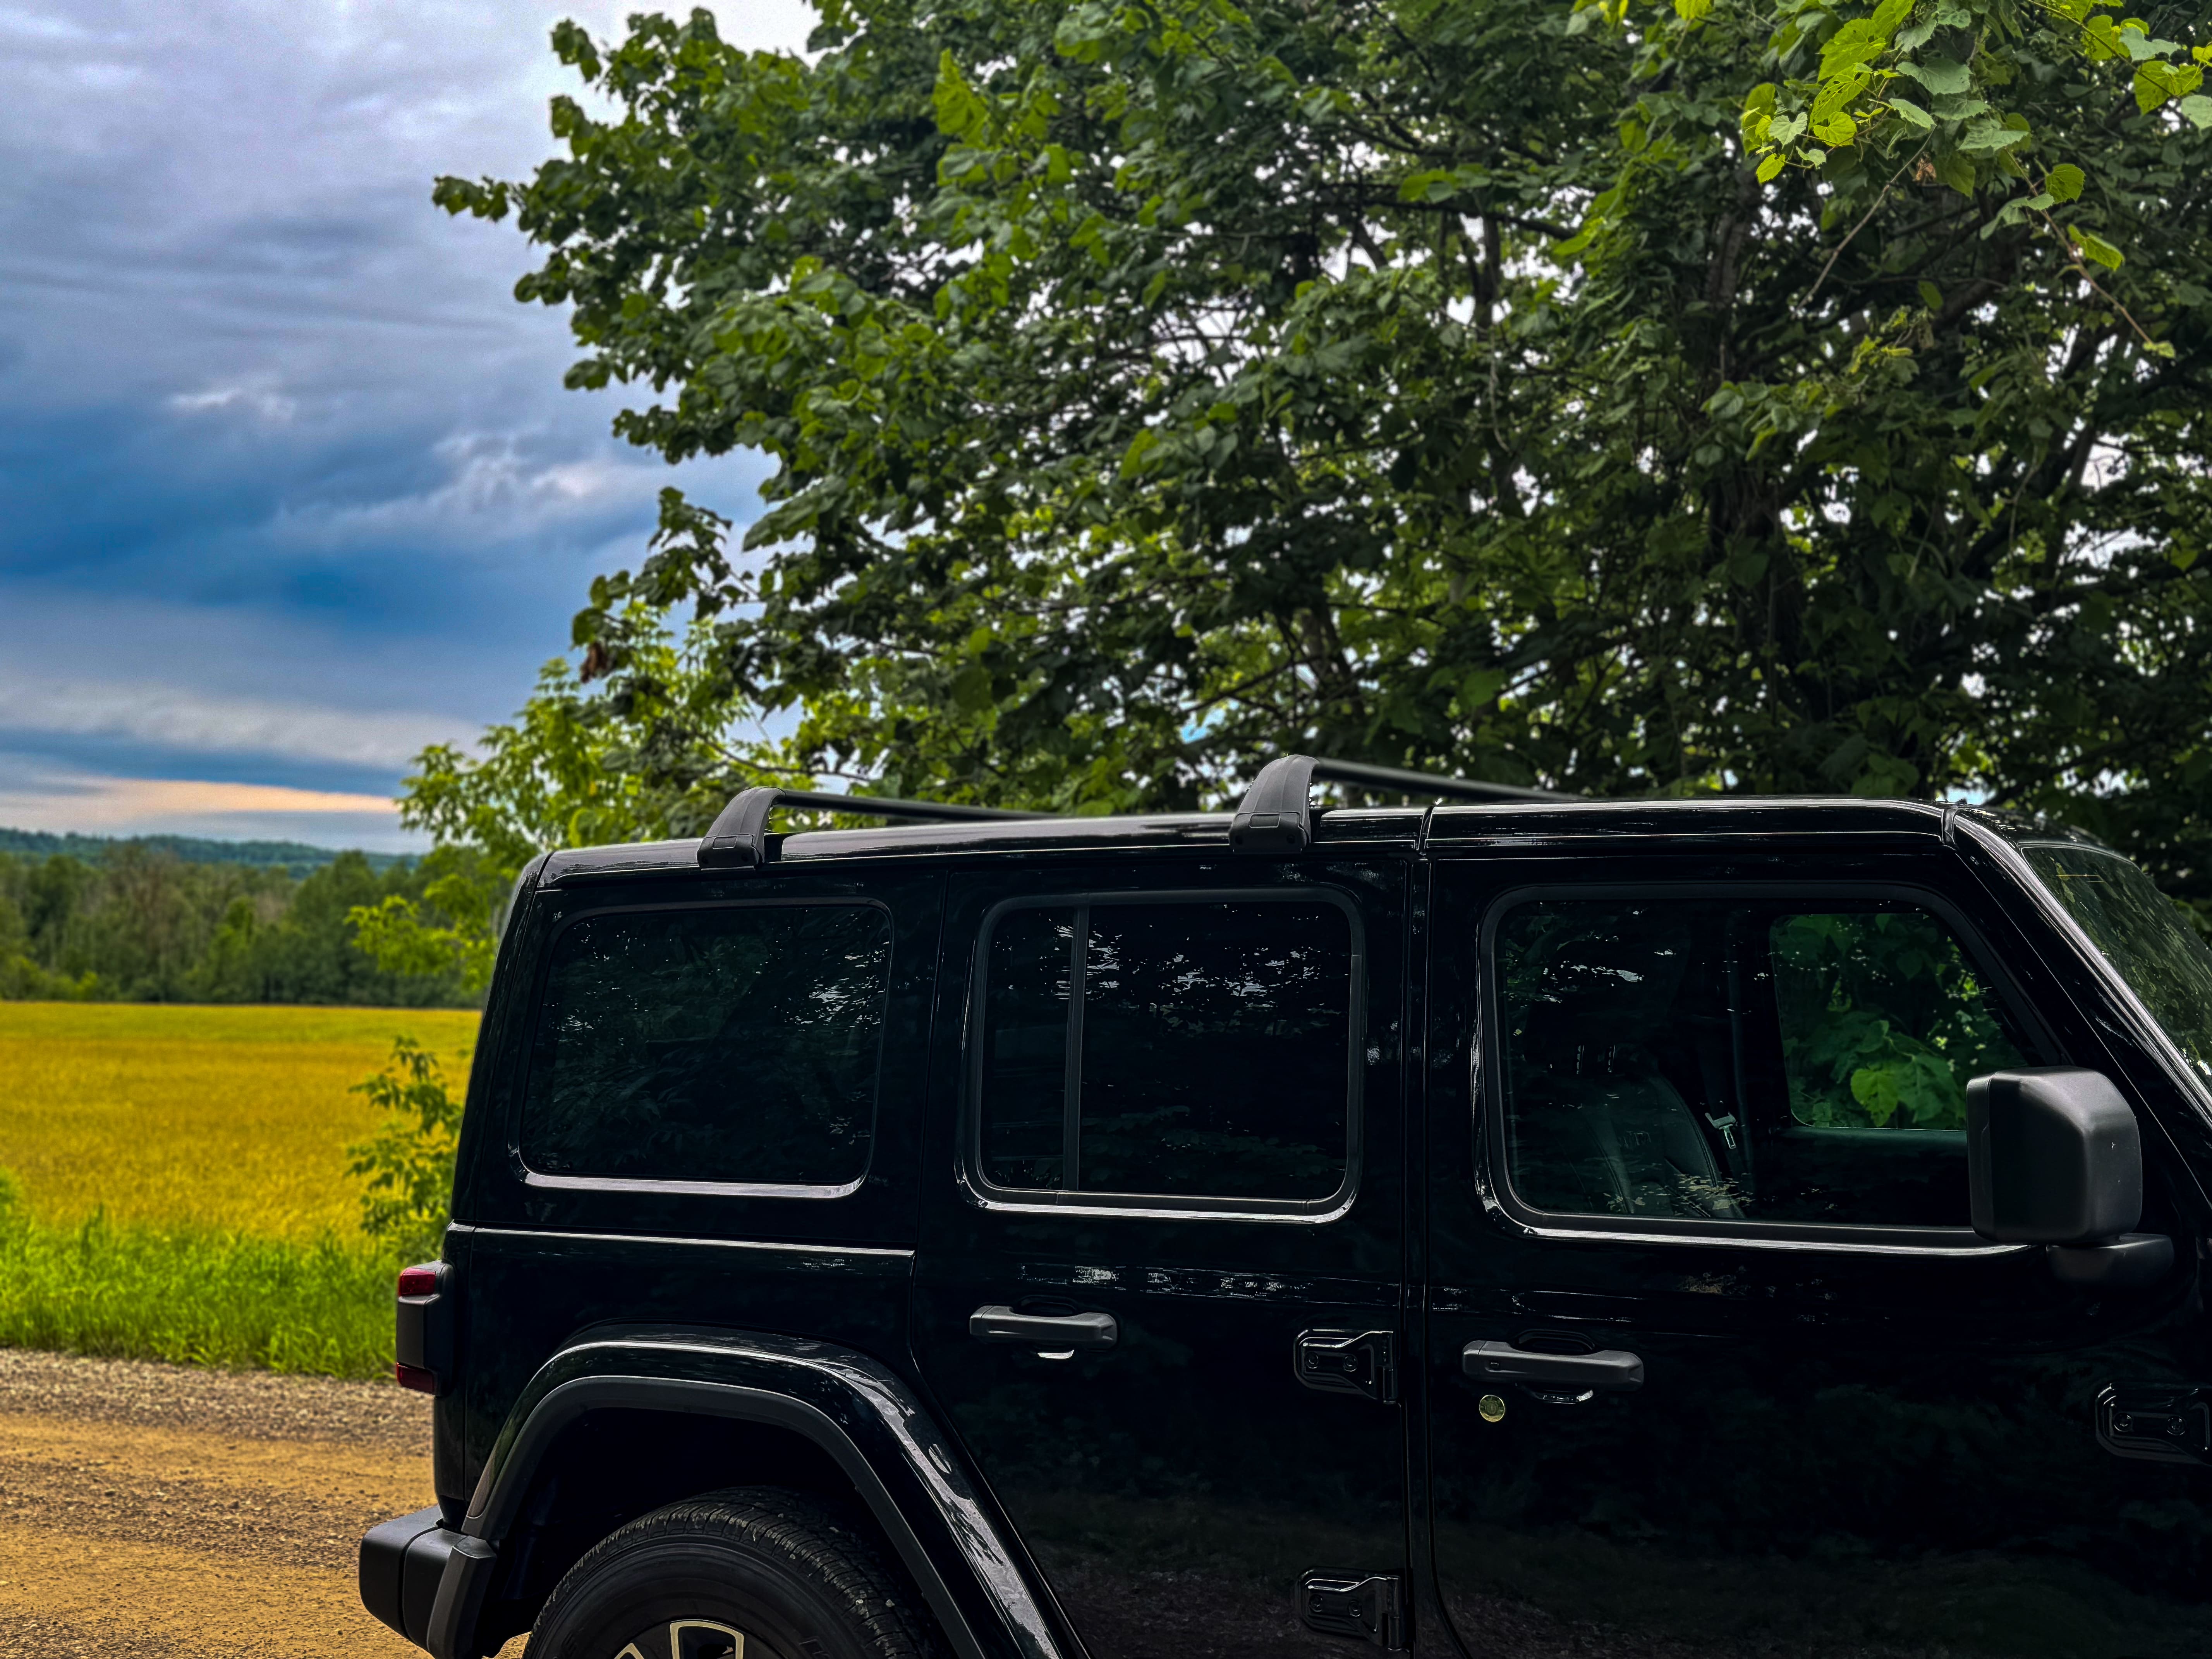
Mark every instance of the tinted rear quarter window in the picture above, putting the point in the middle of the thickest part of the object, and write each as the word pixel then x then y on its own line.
pixel 734 1044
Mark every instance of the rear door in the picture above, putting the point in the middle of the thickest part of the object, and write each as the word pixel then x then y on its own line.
pixel 1717 1363
pixel 1166 1146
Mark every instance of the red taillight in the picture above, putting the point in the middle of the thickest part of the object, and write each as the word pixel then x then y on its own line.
pixel 421 1281
pixel 414 1377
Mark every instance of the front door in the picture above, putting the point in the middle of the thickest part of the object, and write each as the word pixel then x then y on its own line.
pixel 1168 1147
pixel 1716 1364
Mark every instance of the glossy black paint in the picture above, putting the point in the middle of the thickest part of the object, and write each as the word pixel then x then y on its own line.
pixel 1870 1452
pixel 1832 1452
pixel 853 1409
pixel 1173 1487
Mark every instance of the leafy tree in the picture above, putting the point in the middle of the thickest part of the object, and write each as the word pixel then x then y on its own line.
pixel 1630 399
pixel 409 1195
pixel 142 924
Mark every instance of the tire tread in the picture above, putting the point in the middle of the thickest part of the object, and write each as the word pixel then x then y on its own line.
pixel 810 1538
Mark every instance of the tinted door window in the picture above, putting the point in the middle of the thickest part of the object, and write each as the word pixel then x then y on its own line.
pixel 1187 1050
pixel 1724 1062
pixel 737 1044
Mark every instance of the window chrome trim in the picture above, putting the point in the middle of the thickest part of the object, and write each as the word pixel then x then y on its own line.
pixel 691 1189
pixel 675 1186
pixel 1486 1085
pixel 1163 1206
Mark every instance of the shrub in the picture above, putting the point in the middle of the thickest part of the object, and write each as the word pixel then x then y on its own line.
pixel 410 1160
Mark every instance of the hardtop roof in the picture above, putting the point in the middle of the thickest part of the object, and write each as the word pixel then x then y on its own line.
pixel 1442 829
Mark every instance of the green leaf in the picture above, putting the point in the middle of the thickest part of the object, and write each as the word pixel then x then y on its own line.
pixel 1850 47
pixel 1690 10
pixel 960 114
pixel 1913 36
pixel 1956 171
pixel 1836 93
pixel 2142 45
pixel 971 689
pixel 1770 168
pixel 2065 182
pixel 1889 14
pixel 1988 138
pixel 2198 108
pixel 2096 247
pixel 1913 114
pixel 1931 296
pixel 2159 83
pixel 1939 75
pixel 1876 1088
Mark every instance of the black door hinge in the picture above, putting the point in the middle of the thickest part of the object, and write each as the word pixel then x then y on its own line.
pixel 2159 1422
pixel 1365 1363
pixel 1371 1608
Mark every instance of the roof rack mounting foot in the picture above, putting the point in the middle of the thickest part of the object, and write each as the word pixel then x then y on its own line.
pixel 1276 816
pixel 738 837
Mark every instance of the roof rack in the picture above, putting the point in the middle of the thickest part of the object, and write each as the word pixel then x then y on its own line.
pixel 738 837
pixel 1276 817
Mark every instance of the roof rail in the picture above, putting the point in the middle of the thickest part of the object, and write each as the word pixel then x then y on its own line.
pixel 738 837
pixel 1275 816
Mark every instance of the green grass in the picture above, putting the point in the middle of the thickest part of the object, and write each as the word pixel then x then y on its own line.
pixel 179 1187
pixel 193 1295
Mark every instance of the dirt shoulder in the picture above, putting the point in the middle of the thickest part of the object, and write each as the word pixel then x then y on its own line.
pixel 152 1510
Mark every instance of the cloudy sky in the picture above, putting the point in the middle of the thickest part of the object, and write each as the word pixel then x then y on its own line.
pixel 289 485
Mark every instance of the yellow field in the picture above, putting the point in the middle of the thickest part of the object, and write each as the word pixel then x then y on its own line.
pixel 233 1117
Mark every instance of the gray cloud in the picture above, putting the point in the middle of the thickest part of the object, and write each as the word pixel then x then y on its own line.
pixel 279 455
pixel 184 719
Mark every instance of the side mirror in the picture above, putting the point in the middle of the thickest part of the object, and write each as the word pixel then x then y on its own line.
pixel 2054 1157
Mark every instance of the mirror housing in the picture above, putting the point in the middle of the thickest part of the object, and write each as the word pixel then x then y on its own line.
pixel 2053 1157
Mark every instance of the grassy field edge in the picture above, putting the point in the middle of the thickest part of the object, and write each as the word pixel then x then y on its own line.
pixel 194 1295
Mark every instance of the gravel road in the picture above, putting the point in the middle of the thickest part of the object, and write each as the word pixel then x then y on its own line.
pixel 150 1511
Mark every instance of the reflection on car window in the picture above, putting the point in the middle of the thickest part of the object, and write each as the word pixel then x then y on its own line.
pixel 1883 1020
pixel 732 1044
pixel 2141 932
pixel 1725 1062
pixel 1208 1055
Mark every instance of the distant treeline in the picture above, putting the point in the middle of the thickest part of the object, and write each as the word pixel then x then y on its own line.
pixel 139 924
pixel 295 858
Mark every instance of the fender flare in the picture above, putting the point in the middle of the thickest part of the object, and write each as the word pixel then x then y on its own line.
pixel 856 1410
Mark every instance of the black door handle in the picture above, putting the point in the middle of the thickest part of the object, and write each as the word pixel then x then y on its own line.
pixel 1056 1331
pixel 1609 1369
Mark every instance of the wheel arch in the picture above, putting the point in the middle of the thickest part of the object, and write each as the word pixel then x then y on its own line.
pixel 855 1413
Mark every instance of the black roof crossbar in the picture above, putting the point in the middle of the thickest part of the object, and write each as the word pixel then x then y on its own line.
pixel 1276 817
pixel 738 837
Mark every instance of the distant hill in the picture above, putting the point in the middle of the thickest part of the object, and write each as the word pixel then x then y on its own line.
pixel 294 856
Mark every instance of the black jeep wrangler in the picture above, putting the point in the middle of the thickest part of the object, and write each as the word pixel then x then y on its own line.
pixel 1516 1229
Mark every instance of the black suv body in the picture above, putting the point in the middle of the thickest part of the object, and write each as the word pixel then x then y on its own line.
pixel 1524 1228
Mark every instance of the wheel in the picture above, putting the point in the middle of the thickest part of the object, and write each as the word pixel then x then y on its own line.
pixel 749 1574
